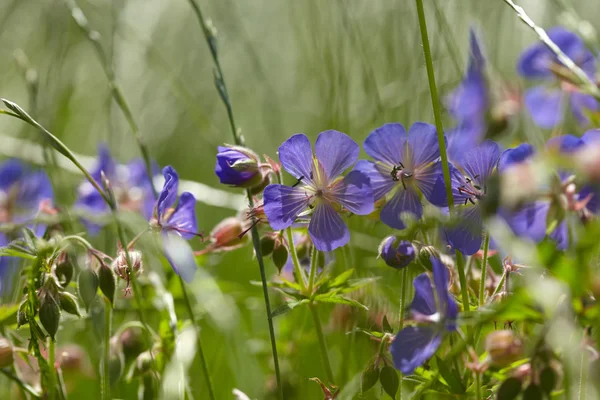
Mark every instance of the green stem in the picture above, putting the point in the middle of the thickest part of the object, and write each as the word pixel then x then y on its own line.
pixel 402 316
pixel 477 386
pixel 322 343
pixel 188 304
pixel 22 385
pixel 51 371
pixel 105 385
pixel 484 266
pixel 314 257
pixel 221 86
pixel 435 102
pixel 298 271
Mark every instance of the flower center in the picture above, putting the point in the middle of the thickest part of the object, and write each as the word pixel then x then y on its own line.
pixel 401 174
pixel 474 191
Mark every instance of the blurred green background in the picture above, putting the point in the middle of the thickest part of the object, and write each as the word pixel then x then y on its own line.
pixel 291 66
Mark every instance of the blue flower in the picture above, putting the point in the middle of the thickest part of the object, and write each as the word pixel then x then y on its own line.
pixel 130 183
pixel 238 167
pixel 405 165
pixel 23 195
pixel 396 253
pixel 469 178
pixel 469 102
pixel 545 103
pixel 175 224
pixel 437 313
pixel 319 188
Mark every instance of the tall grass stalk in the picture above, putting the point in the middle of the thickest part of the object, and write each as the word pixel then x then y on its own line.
pixel 484 266
pixel 221 86
pixel 105 376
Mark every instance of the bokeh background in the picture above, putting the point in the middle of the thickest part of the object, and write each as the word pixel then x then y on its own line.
pixel 291 66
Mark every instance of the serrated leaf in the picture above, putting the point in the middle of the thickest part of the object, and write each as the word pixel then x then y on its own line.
pixel 451 377
pixel 342 278
pixel 389 380
pixel 327 298
pixel 287 307
pixel 356 284
pixel 369 377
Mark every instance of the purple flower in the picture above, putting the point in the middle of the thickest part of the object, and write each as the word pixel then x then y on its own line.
pixel 176 223
pixel 23 195
pixel 405 165
pixel 470 100
pixel 469 177
pixel 238 167
pixel 130 183
pixel 319 190
pixel 437 313
pixel 396 253
pixel 545 103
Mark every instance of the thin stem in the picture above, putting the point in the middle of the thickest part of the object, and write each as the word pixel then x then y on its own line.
pixel 205 372
pixel 22 385
pixel 221 86
pixel 116 92
pixel 322 343
pixel 583 375
pixel 298 271
pixel 477 385
pixel 314 257
pixel 105 385
pixel 586 83
pixel 484 266
pixel 435 102
pixel 402 315
pixel 499 286
pixel 51 371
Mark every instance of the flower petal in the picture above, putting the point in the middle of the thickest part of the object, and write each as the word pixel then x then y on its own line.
pixel 327 229
pixel 33 189
pixel 423 142
pixel 405 200
pixel 528 221
pixel 354 193
pixel 428 180
pixel 560 236
pixel 379 176
pixel 582 104
pixel 336 152
pixel 480 162
pixel 565 143
pixel 465 136
pixel 591 136
pixel 447 305
pixel 283 204
pixel 183 219
pixel 11 171
pixel 414 345
pixel 296 156
pixel 519 154
pixel 424 300
pixel 179 254
pixel 387 144
pixel 105 163
pixel 545 106
pixel 465 236
pixel 168 194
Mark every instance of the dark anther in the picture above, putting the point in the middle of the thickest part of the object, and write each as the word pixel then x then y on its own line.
pixel 311 175
pixel 299 180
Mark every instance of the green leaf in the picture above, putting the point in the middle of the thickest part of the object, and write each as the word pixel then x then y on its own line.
pixel 342 278
pixel 451 377
pixel 328 298
pixel 13 252
pixel 356 284
pixel 287 307
pixel 509 389
pixel 369 377
pixel 389 380
pixel 374 334
pixel 8 314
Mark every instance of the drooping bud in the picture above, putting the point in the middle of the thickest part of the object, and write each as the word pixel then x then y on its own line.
pixel 107 282
pixel 503 347
pixel 68 303
pixel 228 235
pixel 64 269
pixel 120 266
pixel 50 315
pixel 238 166
pixel 396 253
pixel 132 342
pixel 143 363
pixel 280 255
pixel 425 254
pixel 87 285
pixel 6 353
pixel 267 245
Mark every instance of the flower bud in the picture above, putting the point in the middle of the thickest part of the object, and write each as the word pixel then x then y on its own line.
pixel 267 245
pixel 503 347
pixel 238 166
pixel 120 267
pixel 68 303
pixel 143 363
pixel 107 282
pixel 425 254
pixel 280 256
pixel 396 253
pixel 50 315
pixel 132 342
pixel 87 285
pixel 22 313
pixel 6 353
pixel 64 270
pixel 226 234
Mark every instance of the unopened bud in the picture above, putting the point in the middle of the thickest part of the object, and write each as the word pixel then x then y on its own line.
pixel 238 166
pixel 50 315
pixel 396 253
pixel 132 342
pixel 120 266
pixel 425 254
pixel 503 347
pixel 87 285
pixel 280 256
pixel 6 353
pixel 227 234
pixel 107 282
pixel 64 270
pixel 267 245
pixel 143 363
pixel 68 303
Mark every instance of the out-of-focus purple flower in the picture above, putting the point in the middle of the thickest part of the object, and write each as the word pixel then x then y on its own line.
pixel 130 183
pixel 176 224
pixel 319 188
pixel 405 165
pixel 545 103
pixel 396 253
pixel 469 178
pixel 23 195
pixel 238 166
pixel 469 102
pixel 435 311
